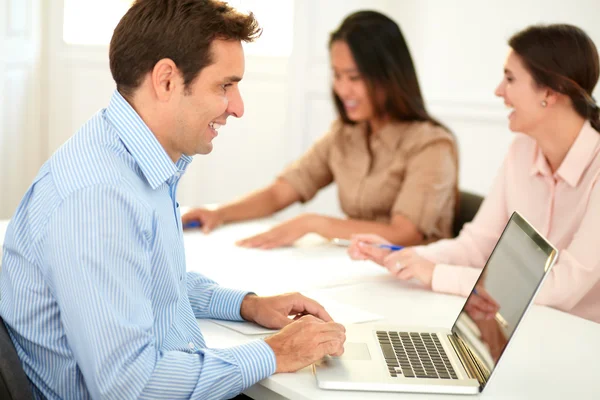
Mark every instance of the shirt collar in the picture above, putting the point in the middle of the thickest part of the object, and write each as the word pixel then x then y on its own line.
pixel 141 143
pixel 388 134
pixel 578 158
pixel 391 133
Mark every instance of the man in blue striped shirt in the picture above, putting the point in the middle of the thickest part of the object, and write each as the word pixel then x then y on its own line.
pixel 94 287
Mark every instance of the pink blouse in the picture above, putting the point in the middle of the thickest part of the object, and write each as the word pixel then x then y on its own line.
pixel 564 207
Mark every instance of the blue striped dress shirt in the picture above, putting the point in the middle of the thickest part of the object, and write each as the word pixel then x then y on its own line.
pixel 94 288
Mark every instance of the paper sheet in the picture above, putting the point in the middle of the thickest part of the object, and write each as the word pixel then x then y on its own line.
pixel 312 263
pixel 342 313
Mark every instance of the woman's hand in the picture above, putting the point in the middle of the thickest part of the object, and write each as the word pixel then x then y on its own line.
pixel 481 306
pixel 364 247
pixel 407 264
pixel 283 234
pixel 207 219
pixel 404 264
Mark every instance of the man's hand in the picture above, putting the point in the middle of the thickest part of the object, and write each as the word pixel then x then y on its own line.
pixel 273 312
pixel 283 234
pixel 209 219
pixel 306 341
pixel 307 338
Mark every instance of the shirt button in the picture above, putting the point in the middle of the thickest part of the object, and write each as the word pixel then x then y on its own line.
pixel 191 345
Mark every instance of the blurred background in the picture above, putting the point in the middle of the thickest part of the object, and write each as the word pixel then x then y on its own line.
pixel 54 75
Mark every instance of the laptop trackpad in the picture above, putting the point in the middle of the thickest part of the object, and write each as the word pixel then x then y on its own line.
pixel 355 352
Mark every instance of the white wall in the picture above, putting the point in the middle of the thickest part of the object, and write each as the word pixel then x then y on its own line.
pixel 79 80
pixel 458 47
pixel 312 111
pixel 246 152
pixel 21 138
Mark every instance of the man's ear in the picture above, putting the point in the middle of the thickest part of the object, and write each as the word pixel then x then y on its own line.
pixel 165 78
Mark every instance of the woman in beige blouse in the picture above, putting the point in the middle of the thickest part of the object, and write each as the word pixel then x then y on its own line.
pixel 394 165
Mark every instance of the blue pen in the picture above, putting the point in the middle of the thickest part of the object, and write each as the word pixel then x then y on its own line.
pixel 192 224
pixel 346 243
pixel 392 247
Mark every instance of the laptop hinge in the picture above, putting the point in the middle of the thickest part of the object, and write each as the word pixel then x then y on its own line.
pixel 474 367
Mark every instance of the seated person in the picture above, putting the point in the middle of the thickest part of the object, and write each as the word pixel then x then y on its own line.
pixel 95 293
pixel 550 175
pixel 394 165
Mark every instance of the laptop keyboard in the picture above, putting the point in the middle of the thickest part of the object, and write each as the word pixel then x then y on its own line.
pixel 415 355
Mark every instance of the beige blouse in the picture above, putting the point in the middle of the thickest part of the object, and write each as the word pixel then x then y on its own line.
pixel 408 168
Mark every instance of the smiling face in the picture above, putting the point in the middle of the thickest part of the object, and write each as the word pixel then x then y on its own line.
pixel 349 85
pixel 210 99
pixel 522 95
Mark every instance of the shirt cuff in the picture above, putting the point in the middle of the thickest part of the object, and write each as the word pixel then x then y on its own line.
pixel 226 304
pixel 421 251
pixel 256 360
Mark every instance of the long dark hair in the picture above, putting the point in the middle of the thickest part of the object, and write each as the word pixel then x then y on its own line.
pixel 384 62
pixel 563 58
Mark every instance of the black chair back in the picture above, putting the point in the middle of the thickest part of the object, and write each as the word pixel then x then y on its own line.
pixel 14 384
pixel 468 206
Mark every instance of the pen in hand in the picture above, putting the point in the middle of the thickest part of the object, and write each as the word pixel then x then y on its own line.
pixel 392 247
pixel 192 224
pixel 346 243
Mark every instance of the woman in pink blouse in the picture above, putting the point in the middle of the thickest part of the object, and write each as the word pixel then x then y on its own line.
pixel 550 175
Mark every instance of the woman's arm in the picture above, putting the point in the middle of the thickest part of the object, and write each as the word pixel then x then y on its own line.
pixel 288 232
pixel 300 181
pixel 477 239
pixel 577 270
pixel 399 230
pixel 261 203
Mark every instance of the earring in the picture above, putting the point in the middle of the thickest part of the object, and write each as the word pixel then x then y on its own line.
pixel 544 103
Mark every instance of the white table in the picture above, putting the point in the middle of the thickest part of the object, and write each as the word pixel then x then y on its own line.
pixel 312 263
pixel 554 355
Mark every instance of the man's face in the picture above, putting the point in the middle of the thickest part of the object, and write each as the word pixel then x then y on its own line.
pixel 211 98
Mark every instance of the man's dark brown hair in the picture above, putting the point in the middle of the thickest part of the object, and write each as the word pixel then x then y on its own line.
pixel 181 30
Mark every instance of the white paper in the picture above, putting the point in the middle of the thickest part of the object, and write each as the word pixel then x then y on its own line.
pixel 244 327
pixel 312 263
pixel 342 313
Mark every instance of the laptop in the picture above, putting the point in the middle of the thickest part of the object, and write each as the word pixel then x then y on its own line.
pixel 460 360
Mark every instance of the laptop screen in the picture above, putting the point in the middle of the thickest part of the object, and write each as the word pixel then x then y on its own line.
pixel 503 292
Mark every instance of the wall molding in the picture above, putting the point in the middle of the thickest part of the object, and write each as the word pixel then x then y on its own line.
pixel 482 110
pixel 479 110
